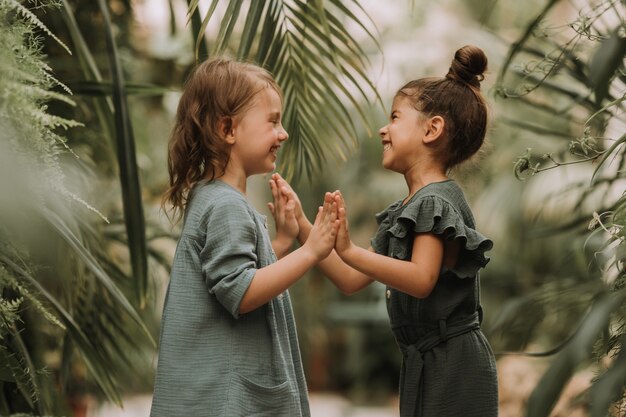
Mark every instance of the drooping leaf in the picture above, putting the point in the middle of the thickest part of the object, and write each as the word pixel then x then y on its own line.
pixel 129 172
pixel 608 58
pixel 548 390
pixel 90 262
pixel 610 386
pixel 518 45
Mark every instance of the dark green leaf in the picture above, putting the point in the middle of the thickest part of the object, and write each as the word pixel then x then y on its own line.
pixel 610 386
pixel 129 174
pixel 608 58
pixel 547 391
pixel 252 22
pixel 519 44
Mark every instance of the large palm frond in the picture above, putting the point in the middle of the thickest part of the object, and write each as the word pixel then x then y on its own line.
pixel 319 63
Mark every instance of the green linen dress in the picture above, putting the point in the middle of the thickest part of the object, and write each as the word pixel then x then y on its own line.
pixel 448 367
pixel 212 360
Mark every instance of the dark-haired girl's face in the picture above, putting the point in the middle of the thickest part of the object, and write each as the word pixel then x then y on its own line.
pixel 401 138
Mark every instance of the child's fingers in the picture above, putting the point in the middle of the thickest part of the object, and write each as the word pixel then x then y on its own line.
pixel 333 211
pixel 339 198
pixel 275 195
pixel 282 183
pixel 290 208
pixel 271 207
pixel 339 201
pixel 318 217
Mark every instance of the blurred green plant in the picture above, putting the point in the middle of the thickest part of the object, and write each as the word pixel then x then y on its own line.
pixel 572 78
pixel 67 327
pixel 61 309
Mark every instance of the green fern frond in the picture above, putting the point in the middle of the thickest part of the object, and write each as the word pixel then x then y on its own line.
pixel 31 18
pixel 24 294
pixel 9 314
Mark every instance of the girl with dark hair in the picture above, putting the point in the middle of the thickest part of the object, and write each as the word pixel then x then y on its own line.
pixel 427 250
pixel 228 344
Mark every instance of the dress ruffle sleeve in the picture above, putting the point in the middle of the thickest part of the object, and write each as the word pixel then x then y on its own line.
pixel 380 241
pixel 436 215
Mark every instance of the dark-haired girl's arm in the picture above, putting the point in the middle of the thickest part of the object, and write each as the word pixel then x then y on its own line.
pixel 416 277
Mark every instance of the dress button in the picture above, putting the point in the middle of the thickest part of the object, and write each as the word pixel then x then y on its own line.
pixel 388 294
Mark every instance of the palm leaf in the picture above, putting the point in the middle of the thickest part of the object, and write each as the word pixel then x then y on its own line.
pixel 97 364
pixel 253 20
pixel 103 107
pixel 519 44
pixel 610 386
pixel 313 56
pixel 227 26
pixel 547 391
pixel 619 142
pixel 607 59
pixel 90 262
pixel 129 175
pixel 24 369
pixel 198 26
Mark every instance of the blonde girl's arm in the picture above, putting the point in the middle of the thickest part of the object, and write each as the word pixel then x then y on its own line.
pixel 282 210
pixel 272 280
pixel 416 277
pixel 347 279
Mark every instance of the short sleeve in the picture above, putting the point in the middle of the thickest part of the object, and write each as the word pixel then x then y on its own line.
pixel 380 240
pixel 436 215
pixel 229 258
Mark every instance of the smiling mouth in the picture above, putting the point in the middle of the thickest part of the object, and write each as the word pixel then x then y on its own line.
pixel 386 146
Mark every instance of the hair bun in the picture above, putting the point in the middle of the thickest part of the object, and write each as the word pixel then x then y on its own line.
pixel 468 66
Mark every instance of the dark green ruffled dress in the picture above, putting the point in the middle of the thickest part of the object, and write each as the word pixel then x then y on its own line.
pixel 448 367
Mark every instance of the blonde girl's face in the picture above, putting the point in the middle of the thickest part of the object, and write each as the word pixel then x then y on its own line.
pixel 258 135
pixel 401 137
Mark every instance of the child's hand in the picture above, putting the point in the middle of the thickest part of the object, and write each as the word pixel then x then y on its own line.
pixel 324 231
pixel 283 211
pixel 285 190
pixel 343 242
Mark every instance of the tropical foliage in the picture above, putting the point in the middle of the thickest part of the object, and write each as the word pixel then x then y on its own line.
pixel 66 320
pixel 78 237
pixel 571 78
pixel 62 312
pixel 317 61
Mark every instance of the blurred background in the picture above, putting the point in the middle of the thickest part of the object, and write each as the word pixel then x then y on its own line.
pixel 88 93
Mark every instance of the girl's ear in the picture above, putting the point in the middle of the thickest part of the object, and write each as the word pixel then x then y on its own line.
pixel 226 127
pixel 435 127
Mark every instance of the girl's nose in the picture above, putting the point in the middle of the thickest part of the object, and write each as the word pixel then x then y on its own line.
pixel 382 131
pixel 283 135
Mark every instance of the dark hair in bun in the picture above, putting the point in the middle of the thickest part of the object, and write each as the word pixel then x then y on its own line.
pixel 457 98
pixel 468 66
